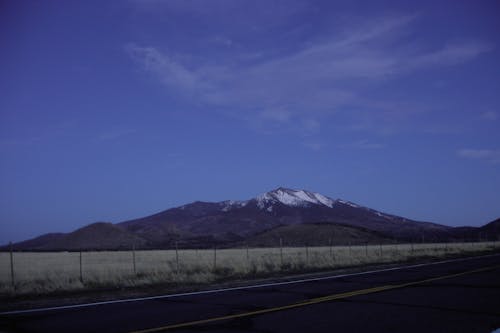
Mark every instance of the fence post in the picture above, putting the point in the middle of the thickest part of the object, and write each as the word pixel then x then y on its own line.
pixel 11 265
pixel 133 259
pixel 248 257
pixel 331 248
pixel 281 251
pixel 380 246
pixel 350 251
pixel 366 249
pixel 307 254
pixel 176 258
pixel 81 271
pixel 215 257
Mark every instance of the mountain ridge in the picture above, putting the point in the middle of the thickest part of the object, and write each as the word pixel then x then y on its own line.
pixel 232 222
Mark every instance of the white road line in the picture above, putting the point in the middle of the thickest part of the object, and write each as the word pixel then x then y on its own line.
pixel 263 285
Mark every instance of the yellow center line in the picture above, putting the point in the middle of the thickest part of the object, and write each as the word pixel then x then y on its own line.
pixel 313 301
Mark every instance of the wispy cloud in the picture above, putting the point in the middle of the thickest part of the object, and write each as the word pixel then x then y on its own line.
pixel 269 12
pixel 314 146
pixel 56 131
pixel 491 155
pixel 170 72
pixel 450 54
pixel 321 78
pixel 19 142
pixel 362 144
pixel 490 115
pixel 115 134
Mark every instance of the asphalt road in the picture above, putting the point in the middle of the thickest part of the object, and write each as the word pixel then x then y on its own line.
pixel 457 296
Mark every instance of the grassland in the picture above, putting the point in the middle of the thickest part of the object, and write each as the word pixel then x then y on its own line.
pixel 46 272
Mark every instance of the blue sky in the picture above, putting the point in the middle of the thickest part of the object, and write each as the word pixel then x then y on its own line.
pixel 119 109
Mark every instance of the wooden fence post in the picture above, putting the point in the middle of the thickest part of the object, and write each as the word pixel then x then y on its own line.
pixel 12 265
pixel 307 254
pixel 215 257
pixel 331 249
pixel 176 258
pixel 350 253
pixel 281 251
pixel 81 270
pixel 133 259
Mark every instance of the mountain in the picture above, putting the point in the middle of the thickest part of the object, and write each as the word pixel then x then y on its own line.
pixel 228 221
pixel 297 216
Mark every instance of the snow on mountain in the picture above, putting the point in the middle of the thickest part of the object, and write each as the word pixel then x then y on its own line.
pixel 296 198
pixel 348 203
pixel 285 196
pixel 230 204
pixel 324 200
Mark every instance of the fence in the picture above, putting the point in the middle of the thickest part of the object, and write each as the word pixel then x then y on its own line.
pixel 26 272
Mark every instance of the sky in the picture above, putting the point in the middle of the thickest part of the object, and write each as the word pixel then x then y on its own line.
pixel 113 110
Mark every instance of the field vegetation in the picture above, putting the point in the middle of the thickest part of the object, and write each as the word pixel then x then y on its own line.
pixel 46 272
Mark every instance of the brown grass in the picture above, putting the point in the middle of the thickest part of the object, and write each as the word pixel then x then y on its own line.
pixel 41 273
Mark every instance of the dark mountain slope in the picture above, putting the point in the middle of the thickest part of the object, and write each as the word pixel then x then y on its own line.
pixel 229 219
pixel 96 236
pixel 301 215
pixel 317 234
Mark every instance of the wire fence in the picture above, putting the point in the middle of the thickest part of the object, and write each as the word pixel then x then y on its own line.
pixel 41 272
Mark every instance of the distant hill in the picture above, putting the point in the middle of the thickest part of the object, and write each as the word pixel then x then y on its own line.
pixel 297 216
pixel 96 236
pixel 490 231
pixel 318 234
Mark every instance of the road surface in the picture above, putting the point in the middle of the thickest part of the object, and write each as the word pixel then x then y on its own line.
pixel 453 296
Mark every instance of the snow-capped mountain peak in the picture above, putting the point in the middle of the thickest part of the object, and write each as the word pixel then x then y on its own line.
pixel 292 197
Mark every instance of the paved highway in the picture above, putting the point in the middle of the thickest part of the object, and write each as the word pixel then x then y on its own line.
pixel 453 296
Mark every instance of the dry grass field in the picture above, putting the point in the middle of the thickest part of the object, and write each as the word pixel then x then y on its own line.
pixel 57 271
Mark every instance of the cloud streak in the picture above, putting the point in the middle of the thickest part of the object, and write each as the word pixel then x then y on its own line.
pixel 363 144
pixel 318 79
pixel 491 155
pixel 314 146
pixel 490 115
pixel 115 134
